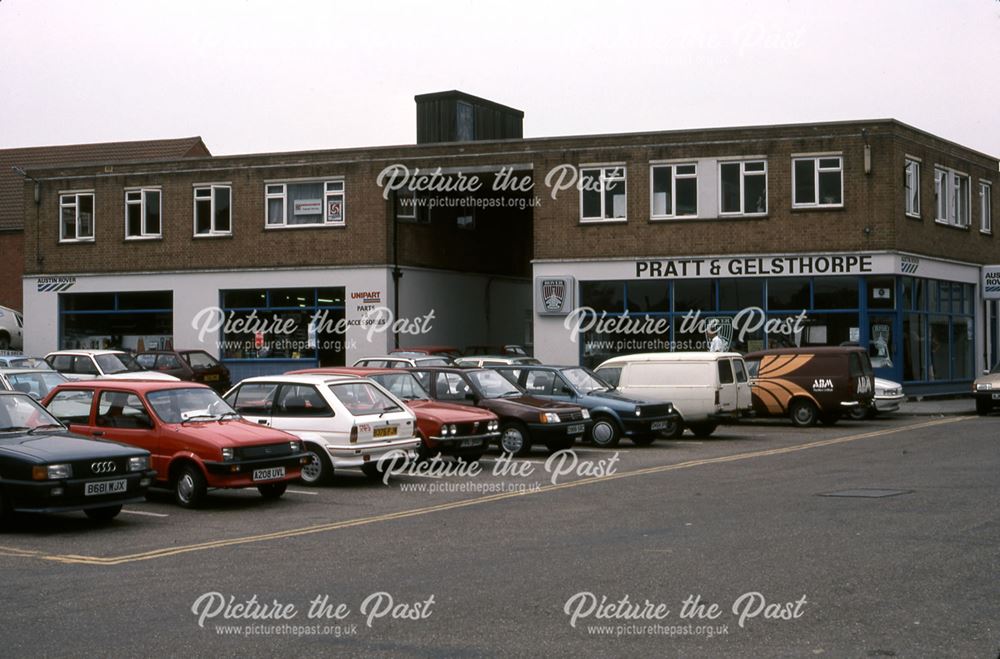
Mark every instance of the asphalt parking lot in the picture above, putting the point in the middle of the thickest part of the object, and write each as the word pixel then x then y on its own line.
pixel 900 561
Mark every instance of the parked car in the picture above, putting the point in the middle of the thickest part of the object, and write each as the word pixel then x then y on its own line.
pixel 32 381
pixel 613 414
pixel 888 396
pixel 509 350
pixel 485 361
pixel 17 360
pixel 196 439
pixel 11 329
pixel 435 351
pixel 986 390
pixel 705 388
pixel 444 428
pixel 810 384
pixel 403 361
pixel 524 420
pixel 347 421
pixel 45 469
pixel 188 365
pixel 110 364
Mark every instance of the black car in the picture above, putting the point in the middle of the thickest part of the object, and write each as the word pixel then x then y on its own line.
pixel 45 469
pixel 614 414
pixel 188 365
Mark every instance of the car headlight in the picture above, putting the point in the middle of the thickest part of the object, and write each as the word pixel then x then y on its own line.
pixel 492 426
pixel 51 472
pixel 138 463
pixel 295 446
pixel 586 414
pixel 638 411
pixel 984 386
pixel 548 417
pixel 228 453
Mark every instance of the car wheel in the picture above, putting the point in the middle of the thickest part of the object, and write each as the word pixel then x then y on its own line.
pixel 803 413
pixel 469 457
pixel 983 407
pixel 319 469
pixel 605 432
pixel 371 470
pixel 514 438
pixel 105 514
pixel 4 341
pixel 861 413
pixel 704 429
pixel 272 490
pixel 189 487
pixel 643 440
pixel 674 429
pixel 560 444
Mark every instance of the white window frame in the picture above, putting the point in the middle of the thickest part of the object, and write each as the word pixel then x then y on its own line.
pixel 141 202
pixel 743 175
pixel 952 203
pixel 985 206
pixel 333 187
pixel 816 157
pixel 211 187
pixel 911 181
pixel 604 178
pixel 672 215
pixel 75 204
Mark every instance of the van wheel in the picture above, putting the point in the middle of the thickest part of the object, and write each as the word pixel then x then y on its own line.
pixel 829 419
pixel 514 438
pixel 4 341
pixel 803 413
pixel 605 432
pixel 861 413
pixel 674 429
pixel 703 429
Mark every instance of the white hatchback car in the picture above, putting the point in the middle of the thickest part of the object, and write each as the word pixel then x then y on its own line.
pixel 94 364
pixel 343 421
pixel 11 329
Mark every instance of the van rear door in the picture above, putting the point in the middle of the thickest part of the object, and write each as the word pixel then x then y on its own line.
pixel 744 399
pixel 727 391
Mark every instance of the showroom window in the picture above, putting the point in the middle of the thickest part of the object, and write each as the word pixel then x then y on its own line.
pixel 136 321
pixel 985 208
pixel 603 194
pixel 818 181
pixel 674 190
pixel 911 180
pixel 305 203
pixel 76 217
pixel 953 194
pixel 743 187
pixel 213 210
pixel 142 213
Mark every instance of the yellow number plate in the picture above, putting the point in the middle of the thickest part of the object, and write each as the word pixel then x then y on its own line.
pixel 387 431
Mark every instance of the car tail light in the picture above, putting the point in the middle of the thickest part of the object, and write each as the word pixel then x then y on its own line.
pixel 354 435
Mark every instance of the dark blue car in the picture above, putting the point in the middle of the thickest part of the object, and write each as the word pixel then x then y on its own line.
pixel 615 416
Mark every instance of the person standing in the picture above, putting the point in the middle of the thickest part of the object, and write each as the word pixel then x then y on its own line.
pixel 715 342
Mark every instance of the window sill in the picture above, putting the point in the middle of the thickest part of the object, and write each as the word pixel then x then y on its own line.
pixel 139 239
pixel 704 218
pixel 284 227
pixel 199 236
pixel 823 208
pixel 79 241
pixel 960 227
pixel 914 216
pixel 616 220
pixel 986 233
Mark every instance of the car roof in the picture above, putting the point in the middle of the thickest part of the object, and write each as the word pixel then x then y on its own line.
pixel 86 352
pixel 303 378
pixel 15 370
pixel 358 371
pixel 669 357
pixel 138 386
pixel 817 350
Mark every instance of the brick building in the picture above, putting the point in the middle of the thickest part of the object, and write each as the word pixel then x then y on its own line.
pixel 872 231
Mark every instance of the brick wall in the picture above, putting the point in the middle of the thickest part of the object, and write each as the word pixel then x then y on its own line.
pixel 11 268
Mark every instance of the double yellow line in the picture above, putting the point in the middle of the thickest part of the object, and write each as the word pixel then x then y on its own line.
pixel 416 512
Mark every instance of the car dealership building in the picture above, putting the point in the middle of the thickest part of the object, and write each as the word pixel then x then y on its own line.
pixel 870 232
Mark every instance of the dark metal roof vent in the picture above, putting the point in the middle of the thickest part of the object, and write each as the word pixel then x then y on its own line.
pixel 455 116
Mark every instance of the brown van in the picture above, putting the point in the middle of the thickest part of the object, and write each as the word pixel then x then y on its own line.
pixel 810 384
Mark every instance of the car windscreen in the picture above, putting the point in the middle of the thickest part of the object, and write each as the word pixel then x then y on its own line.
pixel 111 364
pixel 178 405
pixel 493 385
pixel 130 362
pixel 362 398
pixel 200 360
pixel 20 413
pixel 38 385
pixel 584 380
pixel 402 385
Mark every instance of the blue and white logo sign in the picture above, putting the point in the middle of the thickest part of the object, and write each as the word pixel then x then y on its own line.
pixel 991 282
pixel 554 295
pixel 55 284
pixel 909 264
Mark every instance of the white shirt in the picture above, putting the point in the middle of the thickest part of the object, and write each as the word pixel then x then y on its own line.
pixel 717 344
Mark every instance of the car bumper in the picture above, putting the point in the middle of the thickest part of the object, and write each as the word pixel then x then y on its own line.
pixel 239 473
pixel 636 427
pixel 888 403
pixel 357 455
pixel 988 397
pixel 59 496
pixel 549 431
pixel 459 445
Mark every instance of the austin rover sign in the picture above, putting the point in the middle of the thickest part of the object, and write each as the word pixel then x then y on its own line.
pixel 554 295
pixel 991 282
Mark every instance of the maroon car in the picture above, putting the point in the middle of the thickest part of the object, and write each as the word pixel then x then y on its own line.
pixel 524 420
pixel 188 365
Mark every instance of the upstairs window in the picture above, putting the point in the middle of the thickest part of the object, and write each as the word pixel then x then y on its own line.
pixel 309 203
pixel 76 217
pixel 142 213
pixel 675 190
pixel 985 207
pixel 911 185
pixel 818 181
pixel 603 194
pixel 743 187
pixel 953 194
pixel 213 210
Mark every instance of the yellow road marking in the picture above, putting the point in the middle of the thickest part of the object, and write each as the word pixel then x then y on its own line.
pixel 415 512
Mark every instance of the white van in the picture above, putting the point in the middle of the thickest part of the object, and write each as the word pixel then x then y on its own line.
pixel 704 387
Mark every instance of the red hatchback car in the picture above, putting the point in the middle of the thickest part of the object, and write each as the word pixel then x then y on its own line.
pixel 196 439
pixel 444 428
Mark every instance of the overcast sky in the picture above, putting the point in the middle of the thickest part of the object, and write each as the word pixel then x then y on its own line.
pixel 251 76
